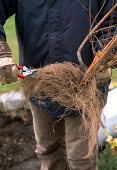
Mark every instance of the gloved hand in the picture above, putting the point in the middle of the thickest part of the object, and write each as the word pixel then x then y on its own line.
pixel 103 77
pixel 8 69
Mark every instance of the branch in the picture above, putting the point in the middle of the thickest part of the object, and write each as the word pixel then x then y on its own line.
pixel 106 60
pixel 91 32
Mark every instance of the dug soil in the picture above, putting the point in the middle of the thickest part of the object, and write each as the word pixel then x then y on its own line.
pixel 17 143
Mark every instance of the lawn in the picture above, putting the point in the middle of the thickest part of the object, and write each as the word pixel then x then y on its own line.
pixel 12 41
pixel 114 77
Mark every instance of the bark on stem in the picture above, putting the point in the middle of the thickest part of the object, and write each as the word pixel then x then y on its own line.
pixel 97 67
pixel 91 32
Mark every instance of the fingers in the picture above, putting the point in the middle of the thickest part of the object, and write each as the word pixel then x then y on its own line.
pixel 2 77
pixel 14 73
pixel 103 77
pixel 8 74
pixel 109 72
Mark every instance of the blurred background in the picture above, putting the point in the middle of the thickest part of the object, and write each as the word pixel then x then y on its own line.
pixel 17 141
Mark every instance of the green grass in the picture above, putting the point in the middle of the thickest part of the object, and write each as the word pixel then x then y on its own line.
pixel 12 41
pixel 11 37
pixel 114 77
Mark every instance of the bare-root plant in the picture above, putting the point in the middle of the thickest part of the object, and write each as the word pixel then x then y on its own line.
pixel 61 82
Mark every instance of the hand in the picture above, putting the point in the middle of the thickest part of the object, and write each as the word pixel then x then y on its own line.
pixel 8 69
pixel 103 77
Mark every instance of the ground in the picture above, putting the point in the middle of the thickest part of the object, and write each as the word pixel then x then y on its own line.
pixel 17 143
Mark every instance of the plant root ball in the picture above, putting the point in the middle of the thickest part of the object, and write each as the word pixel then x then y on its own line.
pixel 62 83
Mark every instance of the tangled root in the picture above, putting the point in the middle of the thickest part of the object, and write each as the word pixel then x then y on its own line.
pixel 62 83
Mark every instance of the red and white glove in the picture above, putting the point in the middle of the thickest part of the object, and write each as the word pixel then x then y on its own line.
pixel 8 69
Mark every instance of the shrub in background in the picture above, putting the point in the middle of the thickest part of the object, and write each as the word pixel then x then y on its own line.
pixel 107 161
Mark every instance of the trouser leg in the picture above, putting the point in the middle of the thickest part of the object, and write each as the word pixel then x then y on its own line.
pixel 51 148
pixel 76 149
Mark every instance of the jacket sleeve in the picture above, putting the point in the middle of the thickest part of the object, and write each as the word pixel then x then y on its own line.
pixel 105 36
pixel 7 9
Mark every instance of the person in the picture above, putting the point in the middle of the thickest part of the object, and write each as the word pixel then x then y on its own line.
pixel 49 32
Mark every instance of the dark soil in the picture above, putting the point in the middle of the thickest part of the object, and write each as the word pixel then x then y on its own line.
pixel 17 143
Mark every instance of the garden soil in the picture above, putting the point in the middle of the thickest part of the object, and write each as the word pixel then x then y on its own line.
pixel 17 143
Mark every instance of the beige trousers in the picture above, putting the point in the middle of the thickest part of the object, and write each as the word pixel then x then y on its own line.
pixel 63 148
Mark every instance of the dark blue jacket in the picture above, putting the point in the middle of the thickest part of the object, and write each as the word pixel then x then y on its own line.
pixel 51 31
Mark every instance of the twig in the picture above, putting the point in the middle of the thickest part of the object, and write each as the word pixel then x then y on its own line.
pixel 91 32
pixel 98 66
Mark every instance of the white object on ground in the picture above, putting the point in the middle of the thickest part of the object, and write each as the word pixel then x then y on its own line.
pixel 109 116
pixel 11 101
